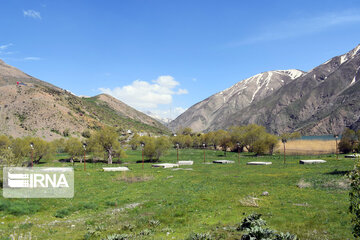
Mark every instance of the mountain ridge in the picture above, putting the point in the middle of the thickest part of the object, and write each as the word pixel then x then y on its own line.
pixel 37 108
pixel 201 115
pixel 316 102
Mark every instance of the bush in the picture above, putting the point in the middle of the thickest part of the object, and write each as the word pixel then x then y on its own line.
pixel 117 237
pixel 86 134
pixel 253 220
pixel 18 208
pixel 348 141
pixel 66 132
pixel 355 199
pixel 199 236
pixel 62 213
pixel 253 225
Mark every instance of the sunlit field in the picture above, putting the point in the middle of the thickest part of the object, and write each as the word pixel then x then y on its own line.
pixel 308 147
pixel 151 203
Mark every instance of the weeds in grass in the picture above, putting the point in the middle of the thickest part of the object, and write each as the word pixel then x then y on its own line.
pixel 128 227
pixel 154 223
pixel 61 213
pixel 254 227
pixel 303 184
pixel 249 201
pixel 199 236
pixel 343 184
pixel 19 208
pixel 118 237
pixel 146 232
pixel 134 179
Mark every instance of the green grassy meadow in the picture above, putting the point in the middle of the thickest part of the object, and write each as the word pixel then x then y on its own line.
pixel 165 204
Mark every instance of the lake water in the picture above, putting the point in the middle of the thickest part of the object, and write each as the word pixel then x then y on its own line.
pixel 322 137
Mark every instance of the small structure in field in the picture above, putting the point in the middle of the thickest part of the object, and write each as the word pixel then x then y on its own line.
pixel 258 163
pixel 223 161
pixel 115 169
pixel 185 162
pixel 312 161
pixel 165 165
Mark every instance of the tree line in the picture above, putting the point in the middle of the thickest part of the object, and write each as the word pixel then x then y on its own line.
pixel 108 144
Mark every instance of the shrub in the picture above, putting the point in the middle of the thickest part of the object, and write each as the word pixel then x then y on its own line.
pixel 348 141
pixel 61 213
pixel 86 134
pixel 254 226
pixel 19 208
pixel 253 220
pixel 199 236
pixel 355 199
pixel 66 132
pixel 117 237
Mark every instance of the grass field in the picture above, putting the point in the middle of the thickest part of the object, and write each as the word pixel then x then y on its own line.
pixel 308 200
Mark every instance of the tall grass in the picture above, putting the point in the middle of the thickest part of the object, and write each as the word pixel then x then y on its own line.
pixel 308 147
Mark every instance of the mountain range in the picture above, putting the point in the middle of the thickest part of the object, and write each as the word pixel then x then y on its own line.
pixel 31 107
pixel 324 100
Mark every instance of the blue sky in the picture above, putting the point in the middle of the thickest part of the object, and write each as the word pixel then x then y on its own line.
pixel 160 55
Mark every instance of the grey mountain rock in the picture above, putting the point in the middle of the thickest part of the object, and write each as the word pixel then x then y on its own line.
pixel 220 106
pixel 323 101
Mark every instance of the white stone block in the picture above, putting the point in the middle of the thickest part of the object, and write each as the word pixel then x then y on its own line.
pixel 259 163
pixel 312 161
pixel 165 165
pixel 116 169
pixel 223 161
pixel 185 162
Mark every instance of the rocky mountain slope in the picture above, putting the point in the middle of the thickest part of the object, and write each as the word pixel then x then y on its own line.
pixel 322 101
pixel 219 106
pixel 37 108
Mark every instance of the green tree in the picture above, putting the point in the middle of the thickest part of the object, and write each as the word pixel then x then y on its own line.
pixel 74 148
pixel 178 139
pixel 271 142
pixel 222 138
pixel 254 138
pixel 149 148
pixel 237 134
pixel 196 141
pixel 106 138
pixel 8 159
pixel 208 139
pixel 59 145
pixel 135 142
pixel 155 147
pixel 348 140
pixel 5 142
pixel 162 145
pixel 42 149
pixel 187 131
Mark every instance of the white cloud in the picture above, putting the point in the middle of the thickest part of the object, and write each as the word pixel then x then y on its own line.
pixel 147 95
pixel 32 14
pixel 182 91
pixel 300 27
pixel 4 47
pixel 166 115
pixel 32 58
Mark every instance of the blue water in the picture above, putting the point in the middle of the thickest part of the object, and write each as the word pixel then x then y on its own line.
pixel 323 137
